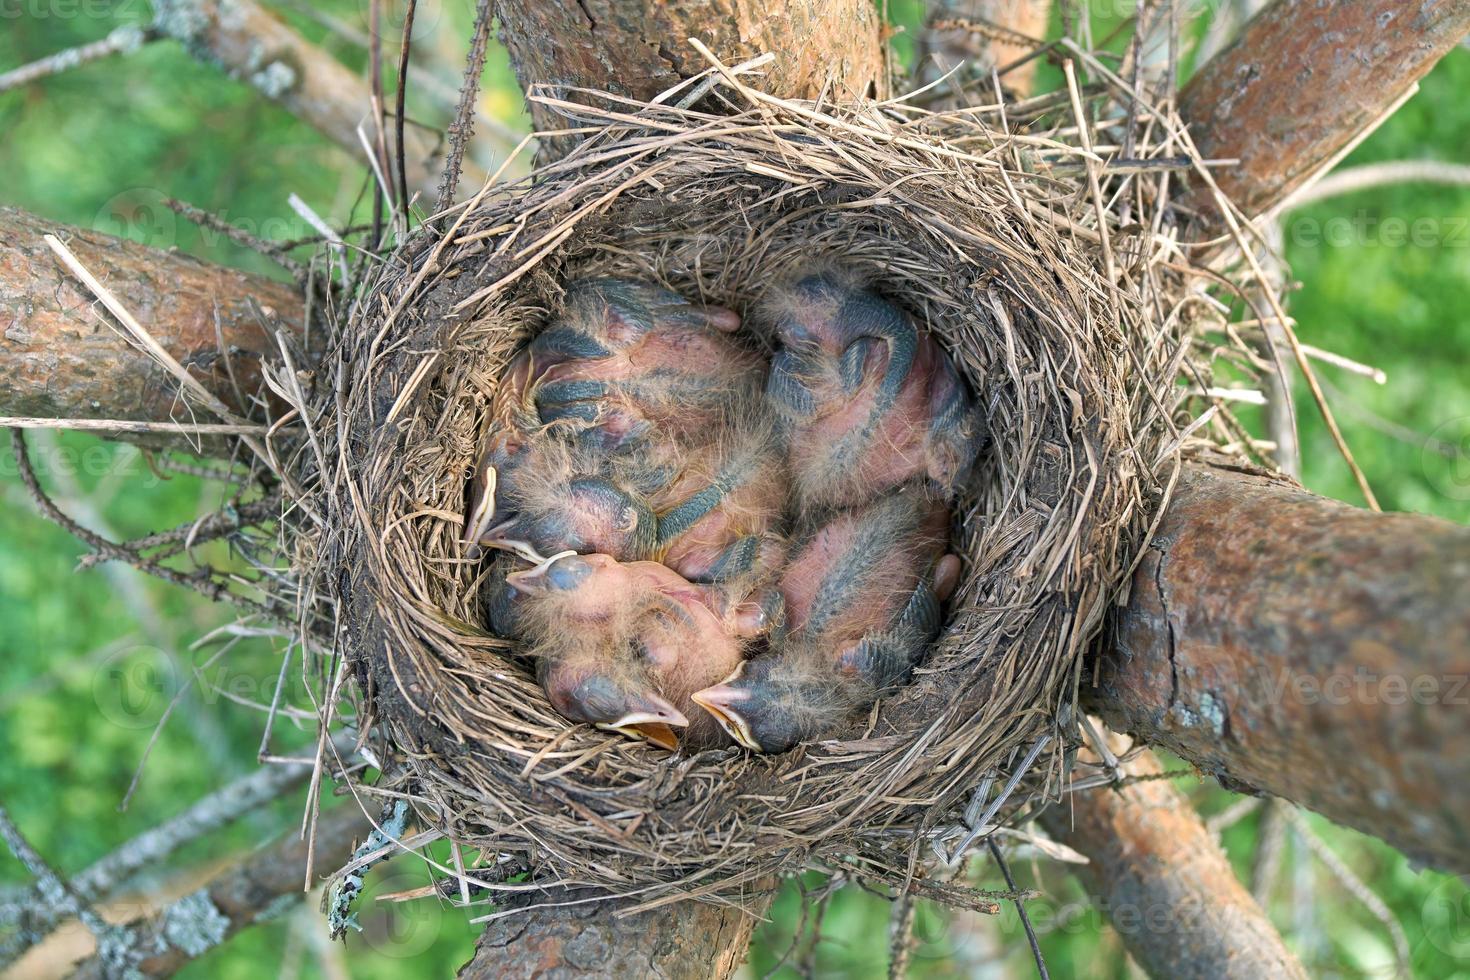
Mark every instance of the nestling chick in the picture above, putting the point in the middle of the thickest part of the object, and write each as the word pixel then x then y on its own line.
pixel 565 501
pixel 501 600
pixel 578 617
pixel 862 605
pixel 639 612
pixel 604 316
pixel 720 506
pixel 628 357
pixel 869 401
pixel 509 430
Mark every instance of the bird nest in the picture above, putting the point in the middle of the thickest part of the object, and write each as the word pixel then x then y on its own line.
pixel 1042 276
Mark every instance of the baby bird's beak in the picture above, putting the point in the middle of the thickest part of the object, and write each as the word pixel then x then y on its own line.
pixel 654 720
pixel 502 537
pixel 724 701
pixel 550 574
pixel 482 510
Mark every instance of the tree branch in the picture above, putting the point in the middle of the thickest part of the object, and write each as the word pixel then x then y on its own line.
pixel 60 355
pixel 103 877
pixel 253 45
pixel 1303 81
pixel 1164 883
pixel 238 898
pixel 639 49
pixel 684 941
pixel 1293 645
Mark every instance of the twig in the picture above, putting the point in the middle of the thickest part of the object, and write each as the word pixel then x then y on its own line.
pixel 210 527
pixel 205 584
pixel 1020 910
pixel 402 93
pixel 105 875
pixel 1233 814
pixel 901 935
pixel 274 251
pixel 463 126
pixel 1084 136
pixel 124 40
pixel 1355 887
pixel 1270 844
pixel 1374 175
pixel 112 941
pixel 132 425
pixel 243 895
pixel 981 825
pixel 345 890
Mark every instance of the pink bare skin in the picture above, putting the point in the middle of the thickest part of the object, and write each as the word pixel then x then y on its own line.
pixel 869 399
pixel 862 601
pixel 678 632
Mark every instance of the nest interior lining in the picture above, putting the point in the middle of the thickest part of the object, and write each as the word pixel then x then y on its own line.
pixel 983 240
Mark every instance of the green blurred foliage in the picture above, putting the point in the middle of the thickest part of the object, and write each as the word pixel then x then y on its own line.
pixel 91 661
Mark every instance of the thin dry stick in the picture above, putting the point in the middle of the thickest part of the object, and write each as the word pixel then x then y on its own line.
pixel 1328 418
pixel 140 336
pixel 1020 909
pixel 1355 887
pixel 1085 138
pixel 104 876
pixel 275 251
pixel 402 93
pixel 463 126
pixel 1374 175
pixel 124 40
pixel 132 425
pixel 901 937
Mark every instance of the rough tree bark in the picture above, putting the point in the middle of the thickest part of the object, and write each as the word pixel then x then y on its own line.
pixel 688 941
pixel 1296 646
pixel 1304 78
pixel 61 356
pixel 1161 878
pixel 638 49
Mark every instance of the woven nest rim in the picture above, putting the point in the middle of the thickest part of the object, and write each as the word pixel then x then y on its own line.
pixel 987 236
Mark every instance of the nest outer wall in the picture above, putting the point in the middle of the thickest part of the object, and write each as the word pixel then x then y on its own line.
pixel 987 239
